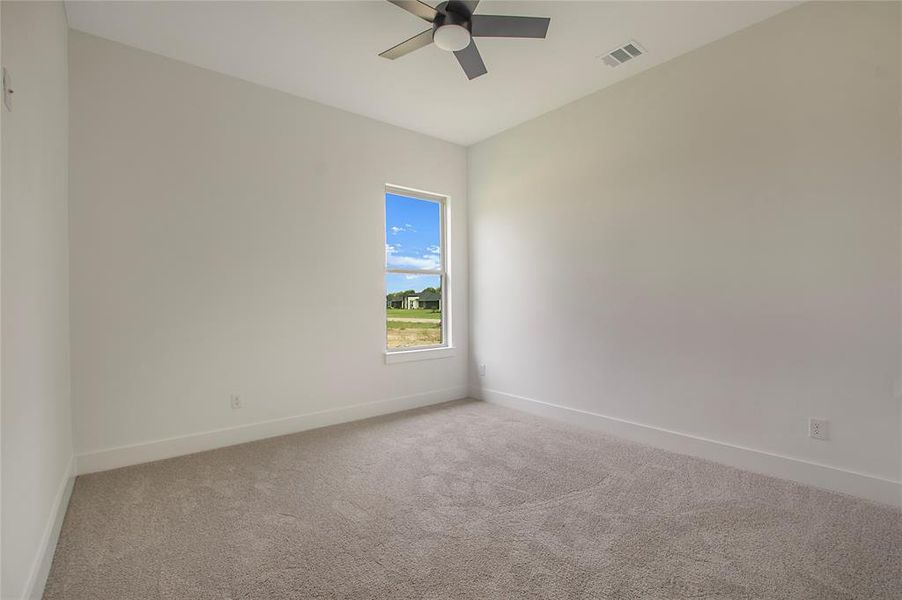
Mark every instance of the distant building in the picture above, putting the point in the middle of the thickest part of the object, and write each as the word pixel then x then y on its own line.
pixel 427 300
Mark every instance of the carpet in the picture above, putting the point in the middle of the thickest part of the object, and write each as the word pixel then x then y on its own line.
pixel 465 500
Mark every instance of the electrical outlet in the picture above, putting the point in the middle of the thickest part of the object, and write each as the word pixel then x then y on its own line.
pixel 482 369
pixel 235 401
pixel 818 429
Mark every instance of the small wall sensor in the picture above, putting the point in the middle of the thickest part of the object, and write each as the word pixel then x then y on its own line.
pixel 7 91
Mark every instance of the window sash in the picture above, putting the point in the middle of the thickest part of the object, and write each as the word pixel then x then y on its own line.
pixel 445 320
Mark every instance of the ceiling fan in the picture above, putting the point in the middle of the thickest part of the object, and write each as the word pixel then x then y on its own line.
pixel 454 26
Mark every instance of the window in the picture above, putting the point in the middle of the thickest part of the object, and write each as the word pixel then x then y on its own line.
pixel 416 281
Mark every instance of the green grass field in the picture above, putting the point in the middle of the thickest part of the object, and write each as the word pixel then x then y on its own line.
pixel 413 314
pixel 407 334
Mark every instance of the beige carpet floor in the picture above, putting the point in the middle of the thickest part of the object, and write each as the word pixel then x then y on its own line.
pixel 465 500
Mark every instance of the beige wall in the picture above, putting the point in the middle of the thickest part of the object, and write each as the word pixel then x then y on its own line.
pixel 711 247
pixel 228 239
pixel 36 417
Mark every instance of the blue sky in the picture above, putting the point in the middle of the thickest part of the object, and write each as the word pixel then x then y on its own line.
pixel 412 241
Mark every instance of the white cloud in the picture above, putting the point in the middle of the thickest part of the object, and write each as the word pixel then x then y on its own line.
pixel 395 229
pixel 427 262
pixel 430 260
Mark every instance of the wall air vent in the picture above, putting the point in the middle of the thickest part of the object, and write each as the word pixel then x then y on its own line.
pixel 618 56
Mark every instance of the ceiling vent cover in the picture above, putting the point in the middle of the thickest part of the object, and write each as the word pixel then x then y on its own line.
pixel 618 56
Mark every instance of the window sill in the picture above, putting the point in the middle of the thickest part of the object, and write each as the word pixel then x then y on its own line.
pixel 400 356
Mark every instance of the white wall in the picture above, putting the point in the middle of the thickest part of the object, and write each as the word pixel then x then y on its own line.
pixel 36 417
pixel 227 238
pixel 711 248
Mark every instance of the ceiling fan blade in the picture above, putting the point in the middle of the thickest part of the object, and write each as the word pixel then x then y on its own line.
pixel 471 61
pixel 407 46
pixel 420 9
pixel 504 26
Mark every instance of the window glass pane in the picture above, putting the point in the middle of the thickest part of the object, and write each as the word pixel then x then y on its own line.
pixel 413 310
pixel 412 233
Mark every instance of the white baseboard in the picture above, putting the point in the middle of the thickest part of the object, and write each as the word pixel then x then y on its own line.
pixel 862 485
pixel 40 567
pixel 123 456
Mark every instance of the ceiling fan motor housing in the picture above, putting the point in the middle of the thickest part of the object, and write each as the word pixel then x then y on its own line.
pixel 451 30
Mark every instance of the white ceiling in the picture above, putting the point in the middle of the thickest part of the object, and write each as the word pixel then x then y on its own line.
pixel 328 52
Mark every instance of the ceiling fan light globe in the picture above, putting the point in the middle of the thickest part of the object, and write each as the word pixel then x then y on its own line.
pixel 451 38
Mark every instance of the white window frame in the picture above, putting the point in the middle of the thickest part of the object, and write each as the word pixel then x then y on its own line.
pixel 446 348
